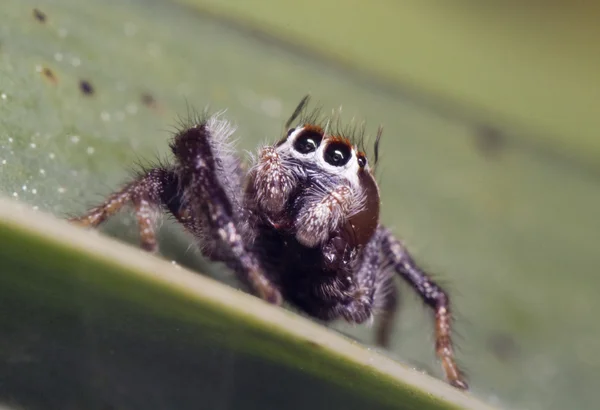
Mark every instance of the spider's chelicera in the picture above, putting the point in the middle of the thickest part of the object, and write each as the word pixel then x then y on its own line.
pixel 301 225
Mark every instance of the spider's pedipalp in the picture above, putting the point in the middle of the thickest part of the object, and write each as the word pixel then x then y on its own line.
pixel 272 181
pixel 324 211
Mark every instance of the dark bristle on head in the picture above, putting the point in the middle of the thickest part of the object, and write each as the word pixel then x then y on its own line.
pixel 299 108
pixel 377 144
pixel 356 134
pixel 302 116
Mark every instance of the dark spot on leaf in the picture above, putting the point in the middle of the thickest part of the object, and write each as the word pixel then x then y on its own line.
pixel 503 346
pixel 86 87
pixel 39 15
pixel 49 75
pixel 149 100
pixel 489 140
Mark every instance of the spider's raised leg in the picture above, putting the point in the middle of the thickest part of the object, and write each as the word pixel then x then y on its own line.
pixel 433 296
pixel 206 193
pixel 200 191
pixel 146 194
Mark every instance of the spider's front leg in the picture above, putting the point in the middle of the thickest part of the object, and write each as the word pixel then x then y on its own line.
pixel 198 192
pixel 197 150
pixel 398 256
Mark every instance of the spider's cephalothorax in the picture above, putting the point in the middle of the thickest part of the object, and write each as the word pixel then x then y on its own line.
pixel 302 225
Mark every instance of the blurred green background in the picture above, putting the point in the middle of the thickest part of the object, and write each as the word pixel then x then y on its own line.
pixel 490 151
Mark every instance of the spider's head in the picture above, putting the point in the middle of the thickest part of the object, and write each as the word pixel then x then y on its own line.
pixel 335 174
pixel 318 185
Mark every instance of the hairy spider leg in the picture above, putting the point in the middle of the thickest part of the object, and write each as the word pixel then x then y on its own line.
pixel 203 200
pixel 146 193
pixel 376 291
pixel 387 312
pixel 363 295
pixel 433 296
pixel 205 194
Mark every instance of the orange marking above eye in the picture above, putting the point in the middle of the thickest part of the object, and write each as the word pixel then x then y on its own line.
pixel 313 128
pixel 340 139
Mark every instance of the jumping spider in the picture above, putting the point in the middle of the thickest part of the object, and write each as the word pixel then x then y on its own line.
pixel 302 225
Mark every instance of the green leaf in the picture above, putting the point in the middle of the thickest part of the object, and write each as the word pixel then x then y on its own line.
pixel 117 327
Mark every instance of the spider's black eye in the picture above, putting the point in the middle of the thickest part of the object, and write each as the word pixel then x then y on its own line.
pixel 290 131
pixel 362 161
pixel 307 142
pixel 337 154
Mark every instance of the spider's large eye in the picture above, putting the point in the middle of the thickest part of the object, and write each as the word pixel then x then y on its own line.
pixel 308 142
pixel 337 154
